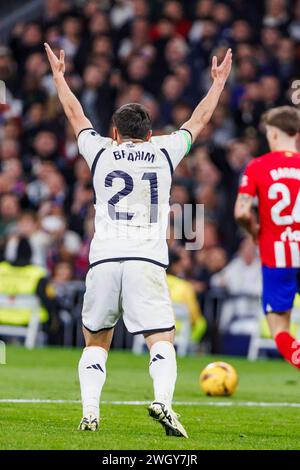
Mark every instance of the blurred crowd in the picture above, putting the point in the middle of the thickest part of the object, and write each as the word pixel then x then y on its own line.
pixel 157 53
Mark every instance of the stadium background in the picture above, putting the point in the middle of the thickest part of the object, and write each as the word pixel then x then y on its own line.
pixel 157 53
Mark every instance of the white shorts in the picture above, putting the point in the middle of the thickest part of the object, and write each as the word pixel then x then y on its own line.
pixel 136 289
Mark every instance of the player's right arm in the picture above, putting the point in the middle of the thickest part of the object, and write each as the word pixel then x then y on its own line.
pixel 243 211
pixel 178 144
pixel 70 103
pixel 204 111
pixel 244 215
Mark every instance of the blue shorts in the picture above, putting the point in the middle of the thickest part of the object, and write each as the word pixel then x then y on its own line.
pixel 280 285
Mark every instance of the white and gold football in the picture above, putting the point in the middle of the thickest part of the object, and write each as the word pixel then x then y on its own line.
pixel 218 379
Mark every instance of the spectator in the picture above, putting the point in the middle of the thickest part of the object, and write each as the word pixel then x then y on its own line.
pixel 240 278
pixel 182 293
pixel 27 226
pixel 28 279
pixel 9 212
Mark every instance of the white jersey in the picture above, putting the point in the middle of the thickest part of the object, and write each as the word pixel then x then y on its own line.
pixel 132 184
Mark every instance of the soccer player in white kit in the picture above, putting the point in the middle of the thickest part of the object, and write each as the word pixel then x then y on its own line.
pixel 132 176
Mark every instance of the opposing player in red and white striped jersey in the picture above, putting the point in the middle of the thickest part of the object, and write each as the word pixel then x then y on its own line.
pixel 274 179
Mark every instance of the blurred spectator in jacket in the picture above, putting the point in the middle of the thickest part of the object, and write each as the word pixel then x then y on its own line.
pixel 183 293
pixel 21 277
pixel 241 280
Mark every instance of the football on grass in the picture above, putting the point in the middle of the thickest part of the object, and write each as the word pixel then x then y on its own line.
pixel 218 379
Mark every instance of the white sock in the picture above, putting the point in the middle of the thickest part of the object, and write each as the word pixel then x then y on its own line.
pixel 163 370
pixel 92 375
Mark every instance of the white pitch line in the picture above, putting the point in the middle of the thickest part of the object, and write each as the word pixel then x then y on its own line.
pixel 176 403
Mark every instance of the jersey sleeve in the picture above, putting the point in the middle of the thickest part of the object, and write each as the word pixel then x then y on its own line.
pixel 248 183
pixel 175 145
pixel 90 143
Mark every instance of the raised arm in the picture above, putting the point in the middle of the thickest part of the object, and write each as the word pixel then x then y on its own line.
pixel 206 107
pixel 70 103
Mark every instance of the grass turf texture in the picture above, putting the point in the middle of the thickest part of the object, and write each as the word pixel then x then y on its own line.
pixel 52 374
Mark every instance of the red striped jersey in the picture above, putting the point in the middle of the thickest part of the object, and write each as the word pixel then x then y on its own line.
pixel 275 179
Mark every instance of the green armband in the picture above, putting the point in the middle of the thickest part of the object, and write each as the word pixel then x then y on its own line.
pixel 188 139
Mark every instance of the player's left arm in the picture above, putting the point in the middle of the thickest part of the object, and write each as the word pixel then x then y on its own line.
pixel 70 103
pixel 203 112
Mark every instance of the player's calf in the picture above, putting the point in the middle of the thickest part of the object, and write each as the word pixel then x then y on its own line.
pixel 92 375
pixel 287 345
pixel 163 370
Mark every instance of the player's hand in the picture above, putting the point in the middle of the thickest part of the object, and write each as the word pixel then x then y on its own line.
pixel 57 64
pixel 220 73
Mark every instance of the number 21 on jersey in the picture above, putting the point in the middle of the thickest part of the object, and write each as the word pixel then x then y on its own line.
pixel 151 177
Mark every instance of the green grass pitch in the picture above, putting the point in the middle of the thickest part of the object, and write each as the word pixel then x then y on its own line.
pixel 51 374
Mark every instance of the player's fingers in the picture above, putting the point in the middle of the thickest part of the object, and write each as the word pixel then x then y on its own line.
pixel 62 56
pixel 214 62
pixel 228 56
pixel 49 51
pixel 50 59
pixel 226 64
pixel 46 48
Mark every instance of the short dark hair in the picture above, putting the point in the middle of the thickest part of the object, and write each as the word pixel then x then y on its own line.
pixel 132 120
pixel 285 118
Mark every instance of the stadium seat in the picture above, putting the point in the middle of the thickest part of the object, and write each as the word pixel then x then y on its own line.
pixel 261 339
pixel 183 333
pixel 29 332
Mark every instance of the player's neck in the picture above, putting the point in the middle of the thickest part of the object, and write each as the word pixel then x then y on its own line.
pixel 285 146
pixel 128 139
